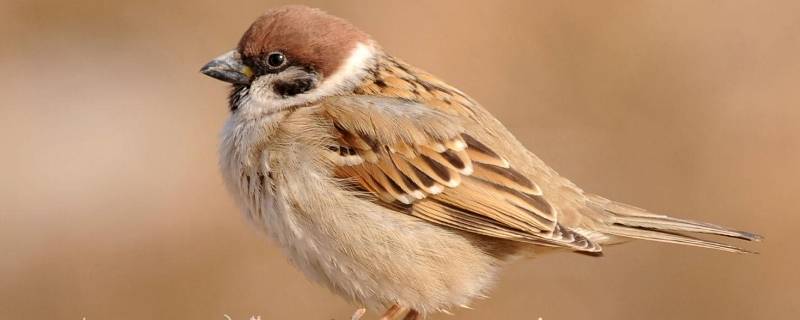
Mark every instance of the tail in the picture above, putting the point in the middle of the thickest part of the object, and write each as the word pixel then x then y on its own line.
pixel 631 222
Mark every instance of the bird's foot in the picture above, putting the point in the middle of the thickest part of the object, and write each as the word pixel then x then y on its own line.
pixel 391 314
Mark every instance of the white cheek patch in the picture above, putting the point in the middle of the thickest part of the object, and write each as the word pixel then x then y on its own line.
pixel 264 86
pixel 347 77
pixel 260 88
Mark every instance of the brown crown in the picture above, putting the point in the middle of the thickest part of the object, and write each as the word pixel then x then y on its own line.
pixel 307 36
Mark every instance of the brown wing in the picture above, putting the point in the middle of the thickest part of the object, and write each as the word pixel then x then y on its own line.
pixel 422 162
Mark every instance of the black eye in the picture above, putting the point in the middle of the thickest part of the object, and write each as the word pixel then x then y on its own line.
pixel 276 59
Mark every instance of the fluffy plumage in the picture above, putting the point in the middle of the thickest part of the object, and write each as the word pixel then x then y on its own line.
pixel 388 185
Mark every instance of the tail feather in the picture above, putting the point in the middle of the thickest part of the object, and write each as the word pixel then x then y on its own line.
pixel 631 222
pixel 669 223
pixel 670 237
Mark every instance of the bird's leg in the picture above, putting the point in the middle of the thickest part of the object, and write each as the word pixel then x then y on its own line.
pixel 391 312
pixel 358 314
pixel 412 315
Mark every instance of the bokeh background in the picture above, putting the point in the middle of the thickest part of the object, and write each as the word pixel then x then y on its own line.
pixel 111 205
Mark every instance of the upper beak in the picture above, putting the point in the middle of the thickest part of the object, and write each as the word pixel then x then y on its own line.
pixel 229 68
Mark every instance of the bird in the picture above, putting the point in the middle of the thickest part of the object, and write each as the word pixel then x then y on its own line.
pixel 392 188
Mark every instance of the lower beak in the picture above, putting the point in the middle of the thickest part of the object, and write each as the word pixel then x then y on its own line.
pixel 229 68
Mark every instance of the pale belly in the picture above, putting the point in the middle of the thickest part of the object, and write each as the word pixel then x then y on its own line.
pixel 363 252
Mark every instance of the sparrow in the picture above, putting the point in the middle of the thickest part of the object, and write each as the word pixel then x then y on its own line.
pixel 391 187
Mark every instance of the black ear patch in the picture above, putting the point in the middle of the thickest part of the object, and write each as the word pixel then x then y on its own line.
pixel 294 87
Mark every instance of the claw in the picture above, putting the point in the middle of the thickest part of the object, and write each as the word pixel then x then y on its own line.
pixel 358 314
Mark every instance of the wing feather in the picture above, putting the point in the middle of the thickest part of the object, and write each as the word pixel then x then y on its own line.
pixel 421 159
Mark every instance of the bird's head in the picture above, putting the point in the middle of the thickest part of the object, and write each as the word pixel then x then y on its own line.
pixel 291 56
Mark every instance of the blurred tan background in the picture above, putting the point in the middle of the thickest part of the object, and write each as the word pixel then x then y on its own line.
pixel 111 205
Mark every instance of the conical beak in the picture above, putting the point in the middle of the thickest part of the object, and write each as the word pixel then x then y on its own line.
pixel 229 68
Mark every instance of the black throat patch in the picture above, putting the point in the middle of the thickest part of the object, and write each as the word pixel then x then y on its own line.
pixel 239 94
